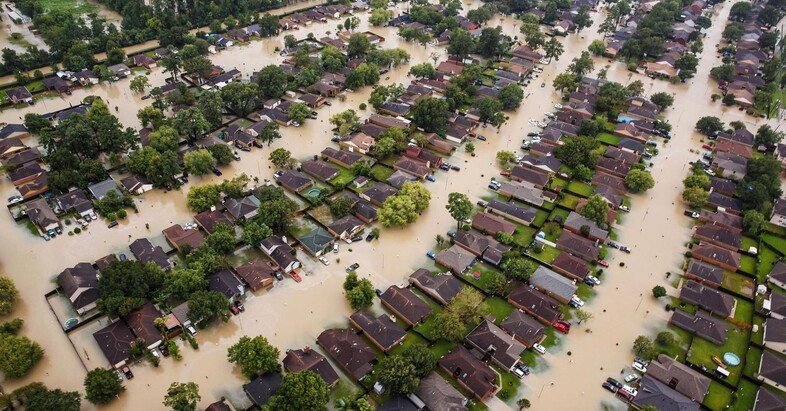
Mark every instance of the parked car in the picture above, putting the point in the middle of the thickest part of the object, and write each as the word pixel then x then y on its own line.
pixel 335 139
pixel 691 214
pixel 609 387
pixel 624 208
pixel 234 310
pixel 58 230
pixel 576 302
pixel 112 224
pixel 430 178
pixel 603 263
pixel 520 370
pixel 558 106
pixel 562 327
pixel 240 306
pixel 431 255
pixel 335 247
pixel 123 257
pixel 625 249
pixel 15 199
pixel 640 367
pixel 539 348
pixel 542 85
pixel 155 353
pixel 191 330
pixel 127 372
pixel 93 216
pixel 455 168
pixel 709 172
pixel 612 244
pixel 324 260
pixel 164 350
pixel 481 137
pixel 533 134
pixel 357 238
pixel 217 172
pixel 482 203
pixel 235 155
pixel 370 236
pixel 46 237
pixel 444 166
pixel 353 267
pixel 592 280
pixel 631 377
pixel 630 390
pixel 278 275
pixel 707 147
pixel 614 383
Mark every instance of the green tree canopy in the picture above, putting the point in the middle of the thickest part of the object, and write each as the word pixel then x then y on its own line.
pixel 102 386
pixel 182 396
pixel 303 390
pixel 125 285
pixel 255 356
pixel 199 162
pixel 18 355
pixel 596 210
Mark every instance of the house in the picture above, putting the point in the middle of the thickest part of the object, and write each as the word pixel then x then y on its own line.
pixel 772 369
pixel 219 405
pixel 323 171
pixel 702 325
pixel 578 246
pixel 575 222
pixel 311 360
pixel 536 177
pixel 225 282
pixel 456 259
pixel 710 299
pixel 19 95
pixel 324 89
pixel 412 167
pixel 99 190
pixel 490 224
pixel 366 212
pixel 438 395
pixel 135 184
pixel 342 158
pixel 378 193
pixel 526 53
pixel 613 166
pixel 405 304
pixel 13 131
pixel 437 144
pixel 346 227
pixel 552 284
pixel 209 220
pixel 441 287
pixel 115 341
pixel 142 323
pixel 656 394
pixel 721 257
pixel 56 84
pixel 26 174
pixel 38 185
pixel 777 275
pixel 775 306
pixel 778 216
pixel 145 252
pixel 357 142
pixel 42 215
pixel 119 70
pixel 316 241
pixel 523 328
pixel 704 273
pixel 103 262
pixel 721 219
pixel 85 78
pixel 489 339
pixel 349 351
pixel 399 178
pixel 183 240
pixel 382 331
pixel 239 35
pixel 281 253
pixel 261 388
pixel 257 273
pixel 766 400
pixel 725 203
pixel 313 100
pixel 471 373
pixel 388 122
pixel 145 61
pixel 75 200
pixel 775 334
pixel 294 181
pixel 679 377
pixel 729 165
pixel 522 192
pixel 244 208
pixel 571 267
pixel 546 163
pixel 80 285
pixel 21 158
pixel 512 211
pixel 543 308
pixel 718 236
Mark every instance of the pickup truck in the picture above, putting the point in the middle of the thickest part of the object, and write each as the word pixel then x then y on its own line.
pixel 691 214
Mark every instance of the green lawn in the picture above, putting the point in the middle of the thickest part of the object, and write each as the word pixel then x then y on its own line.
pixel 609 139
pixel 547 255
pixel 69 6
pixel 554 235
pixel 748 264
pixel 581 189
pixel 380 172
pixel 778 243
pixel 523 236
pixel 497 307
pixel 559 212
pixel 738 283
pixel 540 218
pixel 552 338
pixel 344 177
pixel 752 361
pixel 746 396
pixel 702 351
pixel 441 348
pixel 411 339
pixel 767 259
pixel 758 336
pixel 508 386
pixel 743 312
pixel 680 348
pixel 485 272
pixel 569 201
pixel 748 242
pixel 718 397
pixel 775 229
pixel 585 292
pixel 557 182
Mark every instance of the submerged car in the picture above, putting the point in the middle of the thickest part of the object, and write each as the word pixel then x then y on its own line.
pixel 353 267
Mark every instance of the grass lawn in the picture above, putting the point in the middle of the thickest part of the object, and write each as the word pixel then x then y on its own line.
pixel 775 229
pixel 767 259
pixel 680 348
pixel 411 339
pixel 69 6
pixel 778 243
pixel 557 182
pixel 441 348
pixel 748 242
pixel 380 172
pixel 569 201
pixel 752 361
pixel 758 336
pixel 738 283
pixel 743 312
pixel 585 292
pixel 718 397
pixel 508 386
pixel 580 189
pixel 497 307
pixel 346 388
pixel 485 272
pixel 552 338
pixel 702 351
pixel 559 212
pixel 21 42
pixel 540 218
pixel 547 255
pixel 344 177
pixel 746 396
pixel 689 308
pixel 523 236
pixel 608 138
pixel 748 264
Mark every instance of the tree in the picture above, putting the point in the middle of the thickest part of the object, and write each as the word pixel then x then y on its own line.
pixel 697 180
pixel 553 49
pixel 695 196
pixel 40 398
pixel 582 19
pixel 8 295
pixel 639 181
pixel 596 210
pixel 191 123
pixel 459 206
pixel 276 208
pixel 303 390
pixel 578 151
pixel 582 173
pixel 199 162
pixel 341 207
pixel 421 358
pixel 102 386
pixel 635 88
pixel 448 326
pixel 724 72
pixel 687 65
pixel 398 375
pixel 348 120
pixel 419 195
pixel 504 157
pixel 662 99
pixel 753 222
pixel 708 125
pixel 496 283
pixel 479 15
pixel 255 356
pixel 290 41
pixel 18 355
pixel 582 65
pixel 271 82
pixel 534 37
pixel 299 112
pixel 359 292
pixel 565 81
pixel 125 285
pixel 184 282
pixel 358 45
pixel 182 396
pixel 597 47
pixel 658 291
pixel 379 17
pixel 139 84
pixel 398 211
pixel 518 268
pixel 740 10
pixel 423 70
pixel 212 107
pixel 466 304
pixel 208 306
pixel 242 98
pixel 643 347
pixel 270 132
pixel 222 240
pixel 511 96
pixel 583 316
pixel 221 153
pixel 431 114
pixel 254 232
pixel 732 32
pixel 461 43
pixel 491 42
pixel 490 111
pixel 665 338
pixel 280 157
pixel 768 137
pixel 201 198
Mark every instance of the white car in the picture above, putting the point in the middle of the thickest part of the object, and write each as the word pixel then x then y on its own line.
pixel 709 172
pixel 549 114
pixel 631 377
pixel 335 247
pixel 558 106
pixel 324 260
pixel 630 390
pixel 536 139
pixel 15 199
pixel 539 349
pixel 191 330
pixel 93 216
pixel 639 367
pixel 577 301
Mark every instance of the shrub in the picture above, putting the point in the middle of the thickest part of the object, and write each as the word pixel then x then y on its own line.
pixel 122 214
pixel 77 230
pixel 362 106
pixel 111 216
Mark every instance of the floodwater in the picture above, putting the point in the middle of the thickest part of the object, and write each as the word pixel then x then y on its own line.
pixel 293 314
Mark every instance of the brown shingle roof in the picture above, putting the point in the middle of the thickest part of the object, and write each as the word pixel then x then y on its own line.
pixel 349 351
pixel 406 304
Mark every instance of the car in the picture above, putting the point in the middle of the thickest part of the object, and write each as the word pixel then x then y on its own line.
pixel 539 349
pixel 146 96
pixel 15 199
pixel 455 168
pixel 348 240
pixel 87 217
pixel 707 156
pixel 357 238
pixel 123 257
pixel 296 124
pixel 640 367
pixel 278 275
pixel 603 263
pixel 520 370
pixel 646 154
pixel 335 139
pixel 217 172
pixel 93 216
pixel 242 147
pixel 127 372
pixel 691 214
pixel 609 387
pixel 481 137
pixel 630 390
pixel 155 353
pixel 505 173
pixel 431 255
pixel 240 306
pixel 46 237
pixel 112 224
pixel 625 249
pixel 314 114
pixel 234 310
pixel 624 394
pixel 51 233
pixel 533 134
pixel 591 280
pixel 58 230
pixel 164 350
pixel 707 147
pixel 324 260
pixel 83 223
pixel 577 301
pixel 550 114
pixel 494 187
pixel 278 174
pixel 517 372
pixel 370 236
pixel 612 244
pixel 327 103
pixel 624 208
pixel 631 377
pixel 535 139
pixel 542 85
pixel 235 155
pixel 335 247
pixel 709 172
pixel 353 267
pixel 561 327
pixel 444 166
pixel 431 178
pixel 191 330
pixel 526 146
pixel 614 383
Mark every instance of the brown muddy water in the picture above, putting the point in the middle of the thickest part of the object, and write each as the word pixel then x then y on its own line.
pixel 293 314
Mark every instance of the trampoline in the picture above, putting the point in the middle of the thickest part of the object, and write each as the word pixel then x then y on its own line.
pixel 731 359
pixel 313 193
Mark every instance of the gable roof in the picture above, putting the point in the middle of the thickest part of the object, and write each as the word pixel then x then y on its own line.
pixel 100 189
pixel 718 254
pixel 225 283
pixel 571 264
pixel 576 221
pixel 474 374
pixel 242 207
pixel 379 192
pixel 348 350
pixel 523 327
pixel 319 169
pixel 536 303
pixel 503 348
pixel 455 258
pixel 209 220
pixel 381 330
pixel 145 252
pixel 316 240
pixel 311 360
pixel 766 400
pixel 346 157
pixel 345 224
pixel 653 392
pixel 552 282
pixel 439 395
pixel 705 271
pixel 442 287
pixel 702 324
pixel 40 213
pixel 180 237
pixel 679 377
pixel 260 389
pixel 708 298
pixel 406 304
pixel 256 272
pixel 578 246
pixel 522 213
pixel 142 323
pixel 491 224
pixel 719 235
pixel 80 284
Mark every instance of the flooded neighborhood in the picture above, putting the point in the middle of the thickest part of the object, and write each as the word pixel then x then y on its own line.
pixel 437 222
